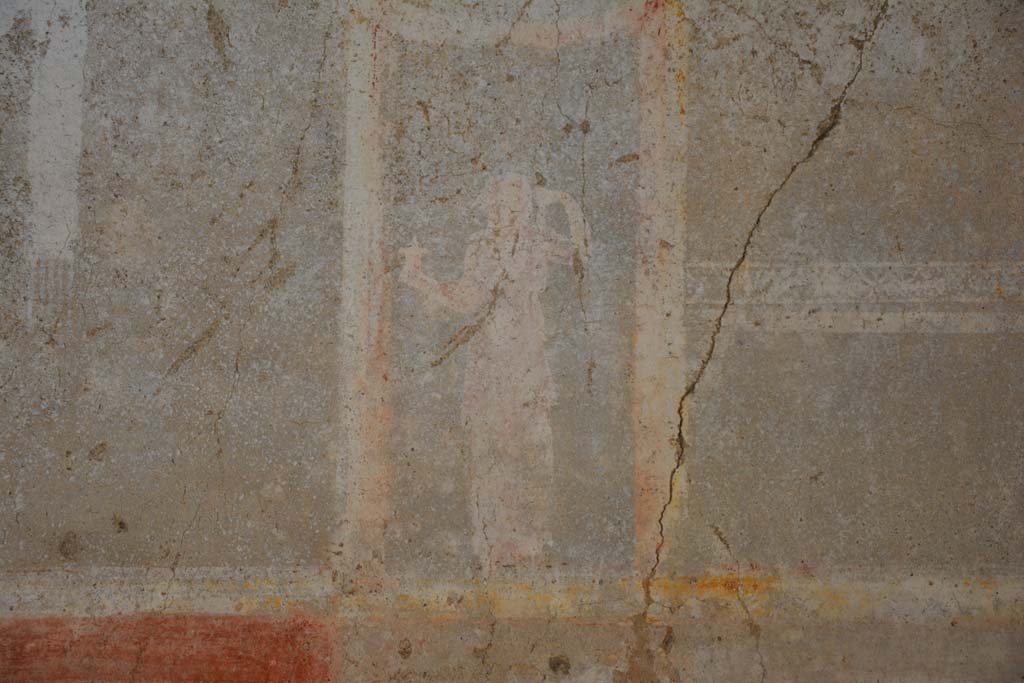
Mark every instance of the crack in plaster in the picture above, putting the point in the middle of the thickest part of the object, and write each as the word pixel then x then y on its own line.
pixel 469 331
pixel 270 279
pixel 755 629
pixel 578 267
pixel 269 230
pixel 802 61
pixel 485 651
pixel 824 129
pixel 483 532
pixel 515 22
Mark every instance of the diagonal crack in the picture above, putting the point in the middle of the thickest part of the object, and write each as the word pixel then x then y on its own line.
pixel 515 22
pixel 753 626
pixel 824 129
pixel 776 43
pixel 194 347
pixel 469 331
pixel 270 229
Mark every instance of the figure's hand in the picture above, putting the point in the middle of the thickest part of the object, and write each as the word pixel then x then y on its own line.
pixel 546 197
pixel 412 262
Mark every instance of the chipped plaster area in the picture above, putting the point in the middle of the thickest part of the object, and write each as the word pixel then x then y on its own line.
pixel 596 341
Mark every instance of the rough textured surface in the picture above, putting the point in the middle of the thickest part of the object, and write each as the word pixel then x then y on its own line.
pixel 591 340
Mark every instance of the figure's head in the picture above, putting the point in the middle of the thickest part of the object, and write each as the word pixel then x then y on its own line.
pixel 508 200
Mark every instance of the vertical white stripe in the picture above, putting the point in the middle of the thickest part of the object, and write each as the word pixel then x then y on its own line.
pixel 362 472
pixel 55 124
pixel 55 147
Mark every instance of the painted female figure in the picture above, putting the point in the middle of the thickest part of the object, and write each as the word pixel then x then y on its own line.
pixel 508 389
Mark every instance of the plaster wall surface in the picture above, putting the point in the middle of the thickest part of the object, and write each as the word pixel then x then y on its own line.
pixel 583 340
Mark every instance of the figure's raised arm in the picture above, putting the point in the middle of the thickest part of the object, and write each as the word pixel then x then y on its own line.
pixel 464 295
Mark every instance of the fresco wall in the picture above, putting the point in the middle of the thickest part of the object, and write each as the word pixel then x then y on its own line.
pixel 594 340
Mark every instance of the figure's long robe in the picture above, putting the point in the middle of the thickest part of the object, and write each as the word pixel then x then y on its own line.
pixel 508 389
